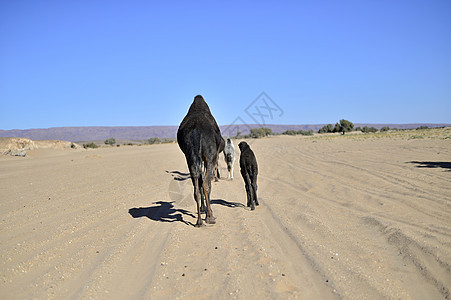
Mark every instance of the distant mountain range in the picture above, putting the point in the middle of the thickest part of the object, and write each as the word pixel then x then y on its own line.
pixel 76 134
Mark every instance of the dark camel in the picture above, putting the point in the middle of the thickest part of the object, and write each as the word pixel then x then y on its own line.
pixel 199 138
pixel 249 171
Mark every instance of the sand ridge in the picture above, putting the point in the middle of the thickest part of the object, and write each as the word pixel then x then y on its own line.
pixel 351 217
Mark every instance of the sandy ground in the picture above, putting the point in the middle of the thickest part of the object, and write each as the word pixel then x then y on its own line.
pixel 353 217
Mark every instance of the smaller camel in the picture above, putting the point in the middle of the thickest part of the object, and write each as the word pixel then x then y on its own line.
pixel 229 157
pixel 249 171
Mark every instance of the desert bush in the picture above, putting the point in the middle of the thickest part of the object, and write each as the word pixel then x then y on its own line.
pixel 301 132
pixel 384 129
pixel 90 145
pixel 290 132
pixel 344 126
pixel 326 129
pixel 154 140
pixel 367 129
pixel 168 141
pixel 260 132
pixel 305 132
pixel 110 141
pixel 422 128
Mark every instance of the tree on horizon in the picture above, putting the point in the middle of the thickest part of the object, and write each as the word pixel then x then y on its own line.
pixel 345 126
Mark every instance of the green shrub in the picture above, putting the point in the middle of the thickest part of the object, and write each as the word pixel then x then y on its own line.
pixel 301 132
pixel 290 132
pixel 384 129
pixel 167 140
pixel 345 126
pixel 306 132
pixel 110 141
pixel 154 140
pixel 367 129
pixel 260 132
pixel 90 145
pixel 326 129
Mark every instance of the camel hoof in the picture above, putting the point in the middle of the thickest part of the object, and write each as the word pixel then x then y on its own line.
pixel 210 220
pixel 198 225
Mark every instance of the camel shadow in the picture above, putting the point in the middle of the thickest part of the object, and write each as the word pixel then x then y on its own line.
pixel 226 203
pixel 180 176
pixel 432 164
pixel 162 212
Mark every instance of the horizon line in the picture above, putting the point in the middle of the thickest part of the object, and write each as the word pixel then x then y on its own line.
pixel 244 124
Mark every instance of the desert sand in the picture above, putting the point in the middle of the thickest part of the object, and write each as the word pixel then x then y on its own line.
pixel 352 217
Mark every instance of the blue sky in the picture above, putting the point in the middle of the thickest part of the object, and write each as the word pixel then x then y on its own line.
pixel 140 63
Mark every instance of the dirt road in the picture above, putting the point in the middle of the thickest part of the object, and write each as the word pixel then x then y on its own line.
pixel 353 217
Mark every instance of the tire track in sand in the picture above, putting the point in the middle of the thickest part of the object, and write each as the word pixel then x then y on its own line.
pixel 305 272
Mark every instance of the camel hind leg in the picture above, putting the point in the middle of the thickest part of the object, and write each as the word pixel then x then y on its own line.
pixel 198 199
pixel 207 189
pixel 229 170
pixel 249 191
pixel 254 189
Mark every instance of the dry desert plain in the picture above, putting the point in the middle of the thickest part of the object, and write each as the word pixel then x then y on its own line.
pixel 352 217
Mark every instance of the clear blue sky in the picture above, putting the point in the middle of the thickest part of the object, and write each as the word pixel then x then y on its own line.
pixel 140 63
